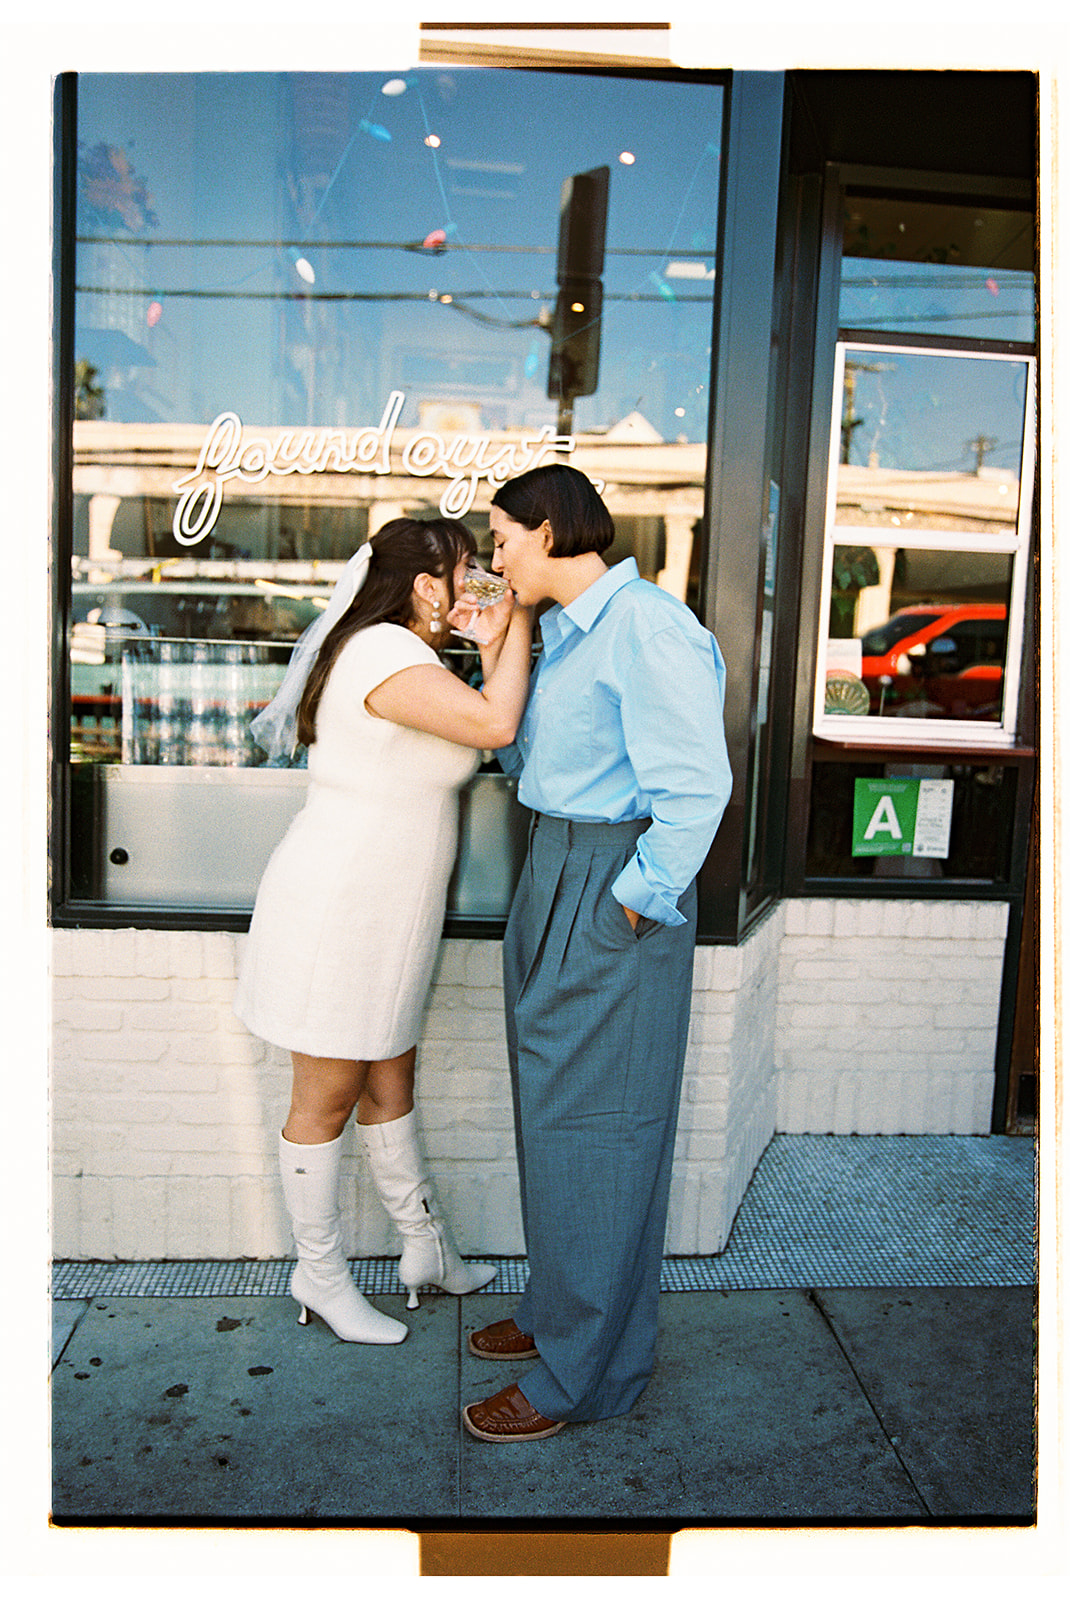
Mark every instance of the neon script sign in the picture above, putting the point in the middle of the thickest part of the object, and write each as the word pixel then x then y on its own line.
pixel 228 453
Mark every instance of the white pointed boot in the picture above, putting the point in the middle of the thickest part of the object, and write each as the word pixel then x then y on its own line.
pixel 428 1253
pixel 322 1281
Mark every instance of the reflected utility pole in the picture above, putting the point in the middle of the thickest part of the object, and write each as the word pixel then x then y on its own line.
pixel 981 447
pixel 849 422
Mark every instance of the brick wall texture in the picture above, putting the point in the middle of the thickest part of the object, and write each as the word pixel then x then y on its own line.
pixel 831 1017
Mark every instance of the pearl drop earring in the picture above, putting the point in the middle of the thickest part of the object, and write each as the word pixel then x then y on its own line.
pixel 436 612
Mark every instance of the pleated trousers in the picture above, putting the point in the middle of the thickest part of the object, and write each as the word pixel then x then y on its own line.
pixel 596 1017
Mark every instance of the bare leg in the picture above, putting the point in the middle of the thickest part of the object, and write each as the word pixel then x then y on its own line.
pixel 325 1090
pixel 388 1089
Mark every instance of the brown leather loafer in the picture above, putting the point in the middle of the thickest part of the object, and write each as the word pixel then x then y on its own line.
pixel 507 1416
pixel 502 1341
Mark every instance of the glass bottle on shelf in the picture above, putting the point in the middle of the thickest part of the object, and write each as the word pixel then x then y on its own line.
pixel 172 706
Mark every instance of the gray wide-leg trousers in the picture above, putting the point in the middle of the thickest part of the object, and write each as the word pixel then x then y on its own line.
pixel 597 1018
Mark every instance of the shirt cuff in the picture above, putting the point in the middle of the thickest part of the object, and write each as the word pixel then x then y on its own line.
pixel 632 890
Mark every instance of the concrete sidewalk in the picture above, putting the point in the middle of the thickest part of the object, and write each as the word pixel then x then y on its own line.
pixel 802 1406
pixel 792 1386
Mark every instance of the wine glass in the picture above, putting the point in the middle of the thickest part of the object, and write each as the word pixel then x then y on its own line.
pixel 486 589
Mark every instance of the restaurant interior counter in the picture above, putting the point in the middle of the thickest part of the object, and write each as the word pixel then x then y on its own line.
pixel 175 807
pixel 200 837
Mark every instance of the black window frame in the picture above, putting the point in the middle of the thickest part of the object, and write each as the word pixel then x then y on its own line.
pixel 828 192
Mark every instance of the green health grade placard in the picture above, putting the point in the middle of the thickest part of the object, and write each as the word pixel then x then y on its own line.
pixel 902 817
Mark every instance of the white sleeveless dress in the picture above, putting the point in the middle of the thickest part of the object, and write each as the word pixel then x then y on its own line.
pixel 349 912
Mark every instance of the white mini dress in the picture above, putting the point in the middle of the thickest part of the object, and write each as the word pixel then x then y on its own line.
pixel 349 912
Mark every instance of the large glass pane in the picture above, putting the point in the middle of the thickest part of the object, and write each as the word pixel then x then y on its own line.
pixel 306 303
pixel 930 441
pixel 367 233
pixel 919 266
pixel 917 633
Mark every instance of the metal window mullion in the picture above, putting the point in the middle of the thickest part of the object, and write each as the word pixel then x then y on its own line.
pixel 1012 667
pixel 922 539
pixel 829 542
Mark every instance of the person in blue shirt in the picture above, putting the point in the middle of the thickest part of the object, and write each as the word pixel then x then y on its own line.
pixel 622 761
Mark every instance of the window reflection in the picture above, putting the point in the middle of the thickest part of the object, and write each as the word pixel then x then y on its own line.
pixel 371 236
pixel 927 527
pixel 917 633
pixel 915 266
pixel 925 533
pixel 372 232
pixel 930 441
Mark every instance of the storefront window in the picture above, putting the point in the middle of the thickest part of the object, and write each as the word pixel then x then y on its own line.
pixel 925 550
pixel 379 299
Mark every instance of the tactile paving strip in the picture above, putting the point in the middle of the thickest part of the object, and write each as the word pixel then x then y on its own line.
pixel 858 1212
pixel 845 1211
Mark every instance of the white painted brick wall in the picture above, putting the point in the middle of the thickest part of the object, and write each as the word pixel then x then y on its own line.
pixel 886 1016
pixel 710 1146
pixel 842 1017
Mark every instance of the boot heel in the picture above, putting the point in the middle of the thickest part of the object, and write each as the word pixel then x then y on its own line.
pixel 304 1319
pixel 413 1302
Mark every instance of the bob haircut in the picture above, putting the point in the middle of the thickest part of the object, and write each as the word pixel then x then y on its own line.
pixel 567 500
pixel 401 550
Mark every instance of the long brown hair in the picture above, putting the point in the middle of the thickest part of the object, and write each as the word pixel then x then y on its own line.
pixel 401 550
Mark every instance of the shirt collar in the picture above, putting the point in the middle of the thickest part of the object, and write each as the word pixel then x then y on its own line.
pixel 584 611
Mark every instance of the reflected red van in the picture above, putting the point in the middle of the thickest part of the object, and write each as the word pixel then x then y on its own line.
pixel 937 660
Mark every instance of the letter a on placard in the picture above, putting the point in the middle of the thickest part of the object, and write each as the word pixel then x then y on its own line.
pixel 884 820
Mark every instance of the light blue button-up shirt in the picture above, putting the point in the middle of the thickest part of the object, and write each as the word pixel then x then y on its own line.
pixel 625 720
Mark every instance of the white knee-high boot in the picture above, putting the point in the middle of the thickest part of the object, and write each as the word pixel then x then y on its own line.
pixel 322 1281
pixel 428 1253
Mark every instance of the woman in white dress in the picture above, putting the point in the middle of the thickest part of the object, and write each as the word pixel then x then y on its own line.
pixel 349 912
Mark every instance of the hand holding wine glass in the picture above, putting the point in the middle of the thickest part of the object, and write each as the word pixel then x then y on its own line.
pixel 483 594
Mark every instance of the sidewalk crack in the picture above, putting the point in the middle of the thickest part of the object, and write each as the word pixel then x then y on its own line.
pixel 814 1296
pixel 458 1448
pixel 59 1350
